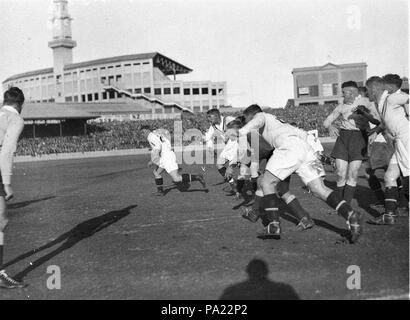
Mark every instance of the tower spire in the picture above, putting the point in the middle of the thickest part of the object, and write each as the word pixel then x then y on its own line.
pixel 62 43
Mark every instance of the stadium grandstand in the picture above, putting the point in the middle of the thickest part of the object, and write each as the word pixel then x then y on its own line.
pixel 147 80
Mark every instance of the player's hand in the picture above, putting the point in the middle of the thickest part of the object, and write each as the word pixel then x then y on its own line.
pixel 362 110
pixel 372 137
pixel 9 192
pixel 333 131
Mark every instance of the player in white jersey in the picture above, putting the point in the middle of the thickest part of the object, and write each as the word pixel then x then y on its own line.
pixel 215 136
pixel 11 126
pixel 163 158
pixel 292 154
pixel 395 126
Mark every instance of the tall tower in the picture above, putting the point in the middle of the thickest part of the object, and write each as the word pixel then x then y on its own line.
pixel 62 44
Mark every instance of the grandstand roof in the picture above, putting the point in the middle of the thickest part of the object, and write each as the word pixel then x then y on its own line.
pixel 165 64
pixel 59 111
pixel 331 66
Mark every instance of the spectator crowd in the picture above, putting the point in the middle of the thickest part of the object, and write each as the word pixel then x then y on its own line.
pixel 117 135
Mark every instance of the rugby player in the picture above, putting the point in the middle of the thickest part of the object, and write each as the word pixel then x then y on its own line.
pixel 351 144
pixel 395 127
pixel 11 126
pixel 163 158
pixel 292 153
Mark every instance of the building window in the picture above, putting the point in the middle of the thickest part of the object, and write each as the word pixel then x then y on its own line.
pixel 68 99
pixel 314 91
pixel 147 90
pixel 168 110
pixel 205 108
pixel 197 109
pixel 104 95
pixel 214 92
pixel 167 90
pixel 158 110
pixel 83 98
pixel 111 94
pixel 90 97
pixel 137 90
pixel 95 96
pixel 177 90
pixel 157 91
pixel 195 91
pixel 75 98
pixel 205 90
pixel 187 91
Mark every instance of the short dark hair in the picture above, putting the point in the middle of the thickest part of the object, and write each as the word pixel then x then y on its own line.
pixel 236 123
pixel 351 84
pixel 252 109
pixel 375 80
pixel 393 79
pixel 213 111
pixel 13 96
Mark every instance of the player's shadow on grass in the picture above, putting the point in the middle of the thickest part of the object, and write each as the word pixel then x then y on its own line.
pixel 22 204
pixel 80 232
pixel 258 286
pixel 363 195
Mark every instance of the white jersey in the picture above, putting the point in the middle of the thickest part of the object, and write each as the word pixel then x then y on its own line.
pixel 393 113
pixel 313 141
pixel 159 142
pixel 217 130
pixel 274 131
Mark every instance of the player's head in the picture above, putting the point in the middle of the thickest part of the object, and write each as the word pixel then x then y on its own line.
pixel 14 97
pixel 363 92
pixel 350 91
pixel 393 82
pixel 250 112
pixel 375 87
pixel 213 116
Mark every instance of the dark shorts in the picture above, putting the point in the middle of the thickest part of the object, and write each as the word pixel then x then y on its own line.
pixel 351 145
pixel 380 154
pixel 2 191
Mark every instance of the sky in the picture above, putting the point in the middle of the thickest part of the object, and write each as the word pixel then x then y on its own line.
pixel 253 45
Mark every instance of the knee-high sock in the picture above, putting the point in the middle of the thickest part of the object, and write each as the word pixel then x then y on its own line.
pixel 336 202
pixel 1 249
pixel 406 187
pixel 391 199
pixel 239 185
pixel 270 204
pixel 160 184
pixel 294 205
pixel 349 193
pixel 254 184
pixel 222 171
pixel 376 187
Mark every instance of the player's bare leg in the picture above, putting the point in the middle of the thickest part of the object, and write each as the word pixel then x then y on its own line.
pixel 334 200
pixel 6 281
pixel 351 181
pixel 341 172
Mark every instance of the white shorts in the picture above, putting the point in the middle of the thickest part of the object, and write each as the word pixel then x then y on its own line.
pixel 401 155
pixel 229 152
pixel 295 155
pixel 168 161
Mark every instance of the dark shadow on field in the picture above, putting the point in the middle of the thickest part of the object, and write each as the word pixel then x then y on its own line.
pixel 22 204
pixel 258 286
pixel 363 195
pixel 183 189
pixel 112 174
pixel 80 232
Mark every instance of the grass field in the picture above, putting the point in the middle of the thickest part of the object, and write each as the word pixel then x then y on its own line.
pixel 97 220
